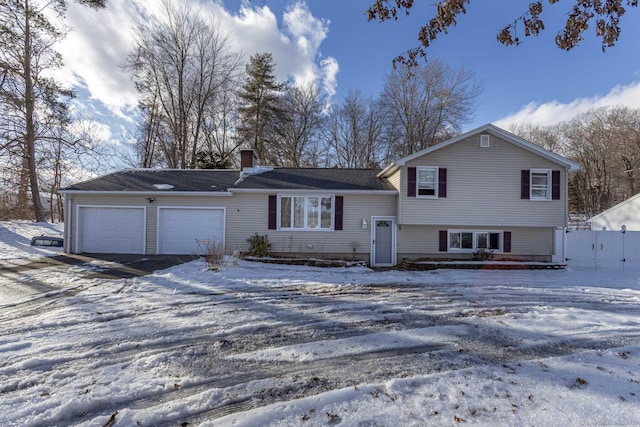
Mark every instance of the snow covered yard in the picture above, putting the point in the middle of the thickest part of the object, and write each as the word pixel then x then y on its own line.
pixel 15 239
pixel 258 344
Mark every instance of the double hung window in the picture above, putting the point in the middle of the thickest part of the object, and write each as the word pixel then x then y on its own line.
pixel 540 184
pixel 427 181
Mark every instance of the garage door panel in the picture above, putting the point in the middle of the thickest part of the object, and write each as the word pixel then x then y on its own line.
pixel 119 230
pixel 180 230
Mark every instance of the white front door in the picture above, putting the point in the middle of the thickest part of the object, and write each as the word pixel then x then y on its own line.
pixel 188 230
pixel 383 241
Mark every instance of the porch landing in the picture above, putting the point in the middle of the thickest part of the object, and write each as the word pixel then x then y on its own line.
pixel 481 265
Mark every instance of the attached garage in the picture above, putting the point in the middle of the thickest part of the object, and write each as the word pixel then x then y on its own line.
pixel 111 229
pixel 188 230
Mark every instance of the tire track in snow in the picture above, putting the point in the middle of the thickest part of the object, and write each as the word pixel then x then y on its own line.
pixel 306 315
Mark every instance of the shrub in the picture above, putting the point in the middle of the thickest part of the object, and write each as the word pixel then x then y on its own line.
pixel 213 253
pixel 482 255
pixel 259 245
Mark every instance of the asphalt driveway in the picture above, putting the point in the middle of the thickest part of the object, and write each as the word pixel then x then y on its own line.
pixel 21 278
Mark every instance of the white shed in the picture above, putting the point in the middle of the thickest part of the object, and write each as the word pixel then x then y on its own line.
pixel 626 213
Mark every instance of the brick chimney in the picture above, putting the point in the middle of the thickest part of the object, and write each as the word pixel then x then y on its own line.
pixel 248 160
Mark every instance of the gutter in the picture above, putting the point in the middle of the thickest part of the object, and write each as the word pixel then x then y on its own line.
pixel 147 193
pixel 312 190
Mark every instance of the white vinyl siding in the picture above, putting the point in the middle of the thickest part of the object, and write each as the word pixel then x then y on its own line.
pixel 483 188
pixel 253 218
pixel 247 214
pixel 531 243
pixel 395 180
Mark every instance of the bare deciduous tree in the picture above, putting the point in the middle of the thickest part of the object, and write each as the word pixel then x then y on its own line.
pixel 549 137
pixel 427 105
pixel 299 131
pixel 353 133
pixel 182 67
pixel 606 144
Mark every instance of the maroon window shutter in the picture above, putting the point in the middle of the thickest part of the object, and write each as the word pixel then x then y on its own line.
pixel 442 182
pixel 337 215
pixel 506 241
pixel 442 240
pixel 555 185
pixel 273 211
pixel 411 182
pixel 524 183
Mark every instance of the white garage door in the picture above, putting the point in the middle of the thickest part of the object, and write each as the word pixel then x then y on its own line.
pixel 117 230
pixel 187 230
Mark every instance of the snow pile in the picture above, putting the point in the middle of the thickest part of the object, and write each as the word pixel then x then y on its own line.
pixel 15 239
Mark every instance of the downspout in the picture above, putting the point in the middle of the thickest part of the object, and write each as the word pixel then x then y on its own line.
pixel 566 215
pixel 67 224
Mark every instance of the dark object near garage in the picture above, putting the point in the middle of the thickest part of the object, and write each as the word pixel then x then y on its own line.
pixel 47 241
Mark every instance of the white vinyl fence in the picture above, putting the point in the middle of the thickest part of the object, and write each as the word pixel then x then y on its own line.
pixel 598 249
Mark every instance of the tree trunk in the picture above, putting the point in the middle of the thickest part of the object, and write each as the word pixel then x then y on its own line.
pixel 22 206
pixel 30 134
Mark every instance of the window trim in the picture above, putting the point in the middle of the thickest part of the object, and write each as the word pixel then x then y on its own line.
pixel 436 183
pixel 306 198
pixel 549 184
pixel 475 240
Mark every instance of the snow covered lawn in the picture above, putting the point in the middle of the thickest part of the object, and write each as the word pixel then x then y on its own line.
pixel 15 239
pixel 257 345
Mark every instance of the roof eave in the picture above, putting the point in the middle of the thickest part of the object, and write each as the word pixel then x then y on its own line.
pixel 314 190
pixel 570 165
pixel 147 193
pixel 615 207
pixel 388 171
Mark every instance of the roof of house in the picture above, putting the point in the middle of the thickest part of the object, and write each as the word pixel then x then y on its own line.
pixel 265 179
pixel 152 180
pixel 316 179
pixel 612 209
pixel 207 180
pixel 570 165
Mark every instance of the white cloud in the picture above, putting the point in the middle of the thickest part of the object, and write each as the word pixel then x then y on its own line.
pixel 97 48
pixel 307 33
pixel 554 112
pixel 330 70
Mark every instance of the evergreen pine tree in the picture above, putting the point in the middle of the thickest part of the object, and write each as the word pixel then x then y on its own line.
pixel 262 111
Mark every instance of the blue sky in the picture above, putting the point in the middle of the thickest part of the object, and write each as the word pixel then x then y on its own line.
pixel 330 42
pixel 511 77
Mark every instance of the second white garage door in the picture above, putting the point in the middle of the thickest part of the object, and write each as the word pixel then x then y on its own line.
pixel 185 230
